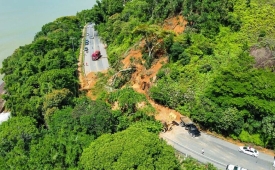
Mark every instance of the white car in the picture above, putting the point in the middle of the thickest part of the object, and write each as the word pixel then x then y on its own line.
pixel 234 167
pixel 248 150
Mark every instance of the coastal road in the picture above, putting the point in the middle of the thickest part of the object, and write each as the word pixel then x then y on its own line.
pixel 218 152
pixel 95 43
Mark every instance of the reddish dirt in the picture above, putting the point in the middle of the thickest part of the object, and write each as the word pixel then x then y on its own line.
pixel 177 24
pixel 142 79
pixel 91 79
pixel 80 66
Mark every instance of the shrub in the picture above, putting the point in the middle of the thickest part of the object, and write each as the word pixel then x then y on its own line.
pixel 255 138
pixel 244 136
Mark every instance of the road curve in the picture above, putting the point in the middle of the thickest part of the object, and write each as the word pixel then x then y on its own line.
pixel 218 152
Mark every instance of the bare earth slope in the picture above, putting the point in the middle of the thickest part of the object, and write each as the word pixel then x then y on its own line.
pixel 143 78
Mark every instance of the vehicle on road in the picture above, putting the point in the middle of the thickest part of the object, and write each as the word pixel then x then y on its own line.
pixel 185 121
pixel 190 126
pixel 234 167
pixel 87 42
pixel 193 130
pixel 86 49
pixel 96 55
pixel 88 34
pixel 248 150
pixel 91 37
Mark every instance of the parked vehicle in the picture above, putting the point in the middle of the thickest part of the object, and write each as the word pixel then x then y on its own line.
pixel 86 49
pixel 185 121
pixel 193 130
pixel 190 126
pixel 249 150
pixel 96 55
pixel 234 167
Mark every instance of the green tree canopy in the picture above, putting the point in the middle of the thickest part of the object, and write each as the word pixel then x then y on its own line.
pixel 134 148
pixel 17 135
pixel 56 100
pixel 127 99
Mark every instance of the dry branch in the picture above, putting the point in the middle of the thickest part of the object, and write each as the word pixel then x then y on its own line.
pixel 115 76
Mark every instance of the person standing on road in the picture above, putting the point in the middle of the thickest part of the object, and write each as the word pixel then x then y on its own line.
pixel 202 151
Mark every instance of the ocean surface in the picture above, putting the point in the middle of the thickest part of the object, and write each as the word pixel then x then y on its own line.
pixel 21 20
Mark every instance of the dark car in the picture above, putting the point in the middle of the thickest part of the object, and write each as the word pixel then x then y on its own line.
pixel 188 125
pixel 87 43
pixel 193 130
pixel 86 49
pixel 234 167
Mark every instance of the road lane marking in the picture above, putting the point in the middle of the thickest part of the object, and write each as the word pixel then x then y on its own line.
pixel 195 152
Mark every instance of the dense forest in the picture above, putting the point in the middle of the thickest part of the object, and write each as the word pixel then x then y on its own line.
pixel 220 72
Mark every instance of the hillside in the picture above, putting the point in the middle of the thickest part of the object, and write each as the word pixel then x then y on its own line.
pixel 141 79
pixel 218 72
pixel 211 61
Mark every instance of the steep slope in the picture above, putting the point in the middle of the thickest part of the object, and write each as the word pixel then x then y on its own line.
pixel 142 78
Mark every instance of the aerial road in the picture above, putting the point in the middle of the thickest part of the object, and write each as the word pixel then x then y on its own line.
pixel 216 151
pixel 94 44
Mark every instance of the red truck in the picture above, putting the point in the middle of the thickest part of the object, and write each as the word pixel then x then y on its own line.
pixel 96 55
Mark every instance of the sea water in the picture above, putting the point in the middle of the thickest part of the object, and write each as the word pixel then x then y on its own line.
pixel 21 20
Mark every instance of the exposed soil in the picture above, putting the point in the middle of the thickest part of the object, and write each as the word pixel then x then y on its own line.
pixel 177 24
pixel 82 79
pixel 263 57
pixel 142 79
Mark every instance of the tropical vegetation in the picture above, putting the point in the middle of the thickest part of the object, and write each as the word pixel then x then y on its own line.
pixel 220 72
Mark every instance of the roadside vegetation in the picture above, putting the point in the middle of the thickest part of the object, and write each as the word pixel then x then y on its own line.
pixel 220 72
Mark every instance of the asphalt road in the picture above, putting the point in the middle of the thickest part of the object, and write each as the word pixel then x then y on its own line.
pixel 94 44
pixel 216 151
